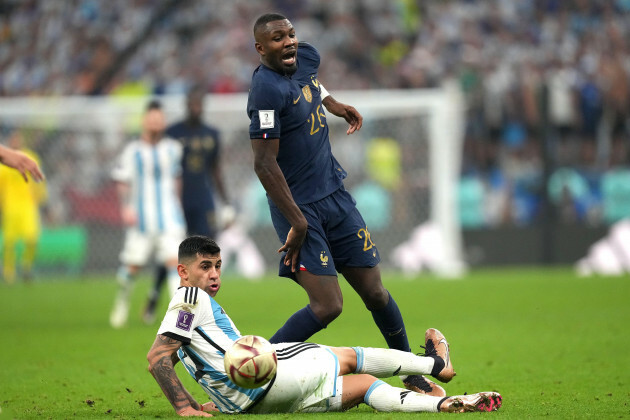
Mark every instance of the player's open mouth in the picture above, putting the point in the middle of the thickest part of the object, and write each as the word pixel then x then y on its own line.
pixel 288 59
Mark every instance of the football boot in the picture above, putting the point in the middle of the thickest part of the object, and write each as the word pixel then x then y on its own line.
pixel 482 401
pixel 422 385
pixel 436 345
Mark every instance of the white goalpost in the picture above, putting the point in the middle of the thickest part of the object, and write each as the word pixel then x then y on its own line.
pixel 78 138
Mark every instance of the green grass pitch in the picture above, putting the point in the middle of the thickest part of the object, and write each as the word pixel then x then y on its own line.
pixel 553 344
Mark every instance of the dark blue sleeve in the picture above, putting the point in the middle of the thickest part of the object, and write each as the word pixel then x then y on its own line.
pixel 264 106
pixel 308 56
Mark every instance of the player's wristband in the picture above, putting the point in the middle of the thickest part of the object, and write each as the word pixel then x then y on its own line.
pixel 323 91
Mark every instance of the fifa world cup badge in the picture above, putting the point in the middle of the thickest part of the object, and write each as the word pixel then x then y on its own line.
pixel 184 320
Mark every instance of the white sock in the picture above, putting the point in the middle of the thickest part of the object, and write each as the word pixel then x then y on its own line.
pixel 384 363
pixel 173 280
pixel 125 283
pixel 386 398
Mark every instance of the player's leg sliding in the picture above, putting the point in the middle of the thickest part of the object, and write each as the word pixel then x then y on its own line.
pixel 386 398
pixel 385 363
pixel 120 312
pixel 298 328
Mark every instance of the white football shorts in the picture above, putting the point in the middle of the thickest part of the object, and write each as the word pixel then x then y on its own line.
pixel 306 381
pixel 139 247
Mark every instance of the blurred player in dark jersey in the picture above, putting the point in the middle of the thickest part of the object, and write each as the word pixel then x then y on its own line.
pixel 316 219
pixel 201 180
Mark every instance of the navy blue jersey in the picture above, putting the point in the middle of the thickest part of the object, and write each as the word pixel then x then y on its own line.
pixel 290 108
pixel 201 151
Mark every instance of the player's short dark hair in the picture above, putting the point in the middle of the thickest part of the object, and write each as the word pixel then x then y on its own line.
pixel 154 104
pixel 265 19
pixel 197 245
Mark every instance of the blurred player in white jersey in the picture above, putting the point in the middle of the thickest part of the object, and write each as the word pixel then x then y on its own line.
pixel 148 176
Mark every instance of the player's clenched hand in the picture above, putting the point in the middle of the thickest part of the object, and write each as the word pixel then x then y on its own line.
pixel 292 246
pixel 191 412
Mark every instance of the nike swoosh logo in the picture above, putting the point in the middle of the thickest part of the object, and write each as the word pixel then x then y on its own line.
pixel 391 334
pixel 396 371
pixel 298 98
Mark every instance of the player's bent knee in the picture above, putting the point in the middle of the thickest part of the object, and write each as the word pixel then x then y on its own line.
pixel 354 389
pixel 347 359
pixel 375 299
pixel 328 312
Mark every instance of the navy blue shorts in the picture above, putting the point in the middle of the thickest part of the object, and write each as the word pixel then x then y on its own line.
pixel 337 236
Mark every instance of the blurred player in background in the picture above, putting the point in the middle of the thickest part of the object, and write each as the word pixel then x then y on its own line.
pixel 148 176
pixel 314 216
pixel 309 378
pixel 20 204
pixel 201 180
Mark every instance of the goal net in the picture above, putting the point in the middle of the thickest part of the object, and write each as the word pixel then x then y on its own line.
pixel 403 168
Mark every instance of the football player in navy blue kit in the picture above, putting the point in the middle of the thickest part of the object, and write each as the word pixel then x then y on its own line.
pixel 201 169
pixel 316 219
pixel 201 179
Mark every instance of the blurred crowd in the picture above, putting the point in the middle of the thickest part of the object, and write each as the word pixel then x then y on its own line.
pixel 546 82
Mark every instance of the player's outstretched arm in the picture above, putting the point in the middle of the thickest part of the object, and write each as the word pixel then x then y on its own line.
pixel 160 359
pixel 272 179
pixel 347 112
pixel 21 162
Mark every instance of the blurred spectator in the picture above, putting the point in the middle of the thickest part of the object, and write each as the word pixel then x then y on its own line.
pixel 471 200
pixel 615 186
pixel 514 60
pixel 569 192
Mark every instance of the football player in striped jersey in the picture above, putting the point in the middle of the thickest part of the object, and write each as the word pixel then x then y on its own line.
pixel 310 377
pixel 148 174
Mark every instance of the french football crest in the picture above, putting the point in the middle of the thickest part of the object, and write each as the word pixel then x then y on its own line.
pixel 306 90
pixel 323 257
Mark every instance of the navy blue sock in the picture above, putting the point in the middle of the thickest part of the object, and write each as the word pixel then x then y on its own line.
pixel 390 322
pixel 300 327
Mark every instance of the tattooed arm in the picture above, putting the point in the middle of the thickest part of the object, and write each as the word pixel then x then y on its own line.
pixel 160 359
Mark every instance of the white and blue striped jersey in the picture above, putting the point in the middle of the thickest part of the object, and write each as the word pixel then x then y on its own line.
pixel 152 170
pixel 198 321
